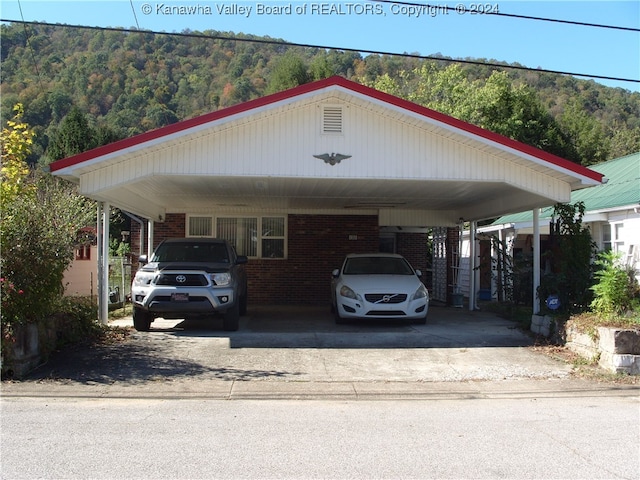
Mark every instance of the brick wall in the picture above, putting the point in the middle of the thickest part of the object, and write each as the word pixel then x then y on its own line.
pixel 174 226
pixel 317 244
pixel 414 247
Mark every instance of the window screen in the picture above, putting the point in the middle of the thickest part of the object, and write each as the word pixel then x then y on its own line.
pixel 200 227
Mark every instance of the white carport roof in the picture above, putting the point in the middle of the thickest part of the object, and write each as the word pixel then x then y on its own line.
pixel 410 165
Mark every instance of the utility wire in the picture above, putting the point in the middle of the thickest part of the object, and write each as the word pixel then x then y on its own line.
pixel 462 9
pixel 325 47
pixel 135 17
pixel 28 36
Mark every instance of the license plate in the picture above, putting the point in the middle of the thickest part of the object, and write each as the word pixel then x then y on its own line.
pixel 179 297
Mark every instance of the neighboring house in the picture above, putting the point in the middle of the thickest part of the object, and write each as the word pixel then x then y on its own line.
pixel 612 214
pixel 298 179
pixel 81 278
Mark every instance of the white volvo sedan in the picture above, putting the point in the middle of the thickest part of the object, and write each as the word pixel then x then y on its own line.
pixel 378 285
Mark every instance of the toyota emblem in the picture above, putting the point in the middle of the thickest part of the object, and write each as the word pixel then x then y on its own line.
pixel 181 278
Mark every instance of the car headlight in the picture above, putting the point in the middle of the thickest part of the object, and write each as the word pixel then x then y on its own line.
pixel 347 292
pixel 221 279
pixel 420 293
pixel 142 279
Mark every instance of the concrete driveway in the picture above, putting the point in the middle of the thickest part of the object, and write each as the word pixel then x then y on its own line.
pixel 303 346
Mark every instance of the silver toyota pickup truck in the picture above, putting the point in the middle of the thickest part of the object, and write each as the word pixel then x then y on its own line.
pixel 190 277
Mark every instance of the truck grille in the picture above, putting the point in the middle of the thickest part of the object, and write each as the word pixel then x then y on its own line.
pixel 174 279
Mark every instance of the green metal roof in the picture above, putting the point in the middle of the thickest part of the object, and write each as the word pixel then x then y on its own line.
pixel 621 189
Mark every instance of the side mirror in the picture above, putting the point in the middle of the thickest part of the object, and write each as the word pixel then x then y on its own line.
pixel 143 260
pixel 335 273
pixel 419 273
pixel 241 260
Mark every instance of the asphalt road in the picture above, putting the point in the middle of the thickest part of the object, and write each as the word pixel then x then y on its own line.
pixel 292 395
pixel 520 433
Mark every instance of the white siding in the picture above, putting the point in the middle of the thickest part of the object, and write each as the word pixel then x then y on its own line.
pixel 284 145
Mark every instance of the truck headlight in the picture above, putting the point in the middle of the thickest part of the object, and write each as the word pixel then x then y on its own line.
pixel 142 279
pixel 221 279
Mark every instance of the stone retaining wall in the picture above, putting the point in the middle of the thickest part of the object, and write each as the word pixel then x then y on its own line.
pixel 616 350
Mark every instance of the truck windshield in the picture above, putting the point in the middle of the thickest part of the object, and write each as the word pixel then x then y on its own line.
pixel 191 252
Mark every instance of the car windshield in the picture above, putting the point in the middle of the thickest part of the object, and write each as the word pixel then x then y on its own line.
pixel 191 252
pixel 377 266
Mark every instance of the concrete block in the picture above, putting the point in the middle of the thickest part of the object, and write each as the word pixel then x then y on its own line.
pixel 621 341
pixel 26 351
pixel 620 363
pixel 541 324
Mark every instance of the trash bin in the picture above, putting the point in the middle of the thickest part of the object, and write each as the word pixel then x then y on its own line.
pixel 457 299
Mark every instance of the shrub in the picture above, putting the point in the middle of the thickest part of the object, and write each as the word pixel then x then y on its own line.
pixel 570 275
pixel 41 220
pixel 616 288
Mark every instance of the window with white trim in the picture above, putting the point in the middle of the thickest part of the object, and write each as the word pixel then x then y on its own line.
pixel 606 237
pixel 200 227
pixel 258 237
pixel 618 238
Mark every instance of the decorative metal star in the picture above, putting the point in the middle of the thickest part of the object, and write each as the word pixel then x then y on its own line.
pixel 332 158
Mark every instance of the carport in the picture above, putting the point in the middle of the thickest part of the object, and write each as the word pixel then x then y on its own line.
pixel 313 172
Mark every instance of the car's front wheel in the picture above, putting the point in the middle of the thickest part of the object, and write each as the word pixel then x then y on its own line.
pixel 243 304
pixel 141 320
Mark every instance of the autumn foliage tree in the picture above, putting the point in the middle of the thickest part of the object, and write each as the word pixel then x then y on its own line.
pixel 41 218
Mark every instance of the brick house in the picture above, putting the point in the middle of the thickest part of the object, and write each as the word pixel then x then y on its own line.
pixel 300 178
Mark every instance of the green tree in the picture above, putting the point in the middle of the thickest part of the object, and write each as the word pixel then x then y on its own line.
pixel 514 110
pixel 75 135
pixel 444 90
pixel 320 68
pixel 289 71
pixel 496 104
pixel 586 133
pixel 624 142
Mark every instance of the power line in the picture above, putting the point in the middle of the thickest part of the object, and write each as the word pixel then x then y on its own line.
pixel 135 17
pixel 33 55
pixel 326 47
pixel 462 9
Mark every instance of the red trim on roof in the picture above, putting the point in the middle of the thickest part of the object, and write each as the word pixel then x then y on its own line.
pixel 315 86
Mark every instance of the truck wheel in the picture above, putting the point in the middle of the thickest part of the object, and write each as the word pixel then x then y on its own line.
pixel 231 319
pixel 141 320
pixel 243 304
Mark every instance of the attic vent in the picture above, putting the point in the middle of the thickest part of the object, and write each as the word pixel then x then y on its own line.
pixel 331 119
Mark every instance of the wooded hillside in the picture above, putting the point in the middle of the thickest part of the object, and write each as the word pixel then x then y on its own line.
pixel 127 83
